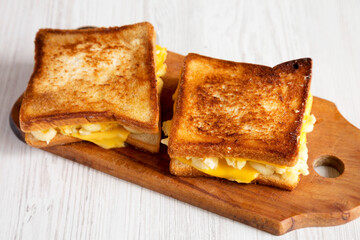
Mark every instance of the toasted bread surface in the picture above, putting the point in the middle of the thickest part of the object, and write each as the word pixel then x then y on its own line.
pixel 93 75
pixel 181 169
pixel 229 109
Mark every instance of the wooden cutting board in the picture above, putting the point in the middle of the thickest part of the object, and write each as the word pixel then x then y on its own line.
pixel 317 201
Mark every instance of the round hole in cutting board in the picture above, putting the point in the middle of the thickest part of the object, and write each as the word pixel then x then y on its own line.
pixel 329 166
pixel 327 171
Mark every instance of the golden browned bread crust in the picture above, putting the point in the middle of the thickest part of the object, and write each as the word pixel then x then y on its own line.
pixel 93 75
pixel 180 169
pixel 229 109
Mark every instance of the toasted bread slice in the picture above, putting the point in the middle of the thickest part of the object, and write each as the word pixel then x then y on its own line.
pixel 147 141
pixel 184 170
pixel 93 75
pixel 228 109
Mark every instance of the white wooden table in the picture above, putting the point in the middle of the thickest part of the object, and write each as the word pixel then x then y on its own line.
pixel 43 196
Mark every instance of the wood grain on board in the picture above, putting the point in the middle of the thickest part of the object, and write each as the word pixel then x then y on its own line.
pixel 317 201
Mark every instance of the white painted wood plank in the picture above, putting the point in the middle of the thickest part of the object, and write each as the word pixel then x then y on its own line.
pixel 47 197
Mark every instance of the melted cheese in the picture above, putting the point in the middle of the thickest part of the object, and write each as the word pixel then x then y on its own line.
pixel 106 135
pixel 111 138
pixel 160 57
pixel 160 66
pixel 223 170
pixel 246 170
pixel 110 134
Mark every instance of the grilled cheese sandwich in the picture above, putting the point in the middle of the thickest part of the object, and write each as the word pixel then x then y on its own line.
pixel 108 134
pixel 100 85
pixel 219 162
pixel 244 170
